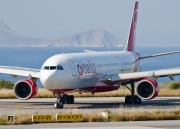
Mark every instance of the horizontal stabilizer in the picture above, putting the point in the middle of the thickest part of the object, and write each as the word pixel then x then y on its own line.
pixel 161 54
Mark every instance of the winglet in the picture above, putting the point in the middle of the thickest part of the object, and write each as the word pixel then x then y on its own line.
pixel 131 40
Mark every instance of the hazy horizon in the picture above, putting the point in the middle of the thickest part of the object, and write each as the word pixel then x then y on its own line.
pixel 158 20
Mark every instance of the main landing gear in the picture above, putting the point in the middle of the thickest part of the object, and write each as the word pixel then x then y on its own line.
pixel 62 99
pixel 129 99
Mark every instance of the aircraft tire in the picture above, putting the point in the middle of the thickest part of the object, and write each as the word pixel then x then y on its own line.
pixel 56 105
pixel 67 99
pixel 71 99
pixel 137 100
pixel 60 105
pixel 128 100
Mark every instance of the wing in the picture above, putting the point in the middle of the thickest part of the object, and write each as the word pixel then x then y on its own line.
pixel 125 78
pixel 18 71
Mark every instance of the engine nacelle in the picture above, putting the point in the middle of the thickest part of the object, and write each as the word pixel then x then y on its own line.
pixel 147 89
pixel 25 89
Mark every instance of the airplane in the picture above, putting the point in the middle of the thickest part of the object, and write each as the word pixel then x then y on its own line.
pixel 93 72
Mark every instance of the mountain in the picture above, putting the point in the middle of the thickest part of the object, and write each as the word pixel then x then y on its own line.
pixel 90 38
pixel 9 38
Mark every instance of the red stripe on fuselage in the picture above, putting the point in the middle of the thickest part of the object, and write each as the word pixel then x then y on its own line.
pixel 93 89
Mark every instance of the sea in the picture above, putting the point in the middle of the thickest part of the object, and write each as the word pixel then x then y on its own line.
pixel 34 57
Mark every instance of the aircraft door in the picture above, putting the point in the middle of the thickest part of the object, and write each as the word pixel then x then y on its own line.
pixel 120 64
pixel 73 68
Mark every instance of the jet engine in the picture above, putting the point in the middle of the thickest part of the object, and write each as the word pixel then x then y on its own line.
pixel 25 89
pixel 147 89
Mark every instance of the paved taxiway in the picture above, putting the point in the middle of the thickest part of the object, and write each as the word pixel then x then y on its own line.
pixel 45 105
pixel 102 125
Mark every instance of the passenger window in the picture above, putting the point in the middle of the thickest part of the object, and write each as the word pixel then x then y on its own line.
pixel 52 67
pixel 59 67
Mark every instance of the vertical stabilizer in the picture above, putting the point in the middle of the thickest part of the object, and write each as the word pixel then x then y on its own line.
pixel 131 39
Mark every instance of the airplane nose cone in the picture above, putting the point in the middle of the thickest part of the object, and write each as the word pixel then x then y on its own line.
pixel 47 80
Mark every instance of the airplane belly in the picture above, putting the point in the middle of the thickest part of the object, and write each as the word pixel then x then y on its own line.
pixel 88 80
pixel 76 82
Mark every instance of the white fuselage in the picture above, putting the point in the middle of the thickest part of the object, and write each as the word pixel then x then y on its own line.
pixel 75 71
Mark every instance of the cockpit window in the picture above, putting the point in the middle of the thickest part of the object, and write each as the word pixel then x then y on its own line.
pixel 46 67
pixel 59 67
pixel 52 67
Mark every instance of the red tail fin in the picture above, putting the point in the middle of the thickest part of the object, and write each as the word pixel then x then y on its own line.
pixel 131 40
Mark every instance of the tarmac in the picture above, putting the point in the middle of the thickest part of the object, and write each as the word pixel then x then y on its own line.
pixel 94 104
pixel 81 105
pixel 172 124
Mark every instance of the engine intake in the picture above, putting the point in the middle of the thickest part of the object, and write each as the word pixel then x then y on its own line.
pixel 25 89
pixel 147 89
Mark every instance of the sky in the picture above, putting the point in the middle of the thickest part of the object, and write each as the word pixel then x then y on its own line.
pixel 158 20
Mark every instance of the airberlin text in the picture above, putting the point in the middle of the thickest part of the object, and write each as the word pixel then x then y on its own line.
pixel 86 68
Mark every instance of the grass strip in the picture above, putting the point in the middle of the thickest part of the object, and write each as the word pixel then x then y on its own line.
pixel 122 92
pixel 166 90
pixel 112 116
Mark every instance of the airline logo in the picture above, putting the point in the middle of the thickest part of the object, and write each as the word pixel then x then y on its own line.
pixel 86 68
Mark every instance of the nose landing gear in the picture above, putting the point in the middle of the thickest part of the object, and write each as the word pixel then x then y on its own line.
pixel 59 103
pixel 62 99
